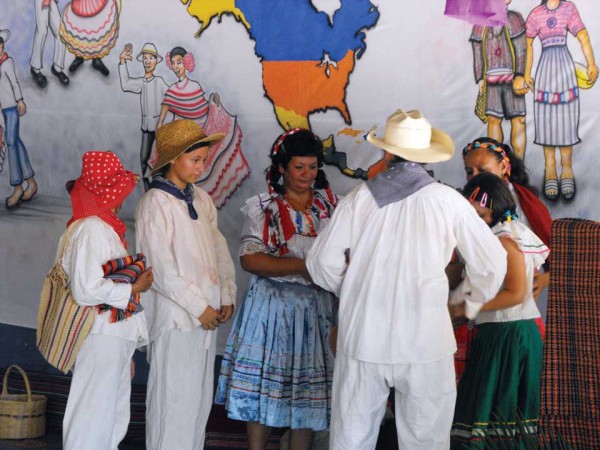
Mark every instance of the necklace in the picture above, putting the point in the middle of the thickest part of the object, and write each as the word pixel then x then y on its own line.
pixel 299 206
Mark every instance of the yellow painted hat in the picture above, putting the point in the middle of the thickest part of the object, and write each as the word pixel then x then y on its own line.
pixel 583 81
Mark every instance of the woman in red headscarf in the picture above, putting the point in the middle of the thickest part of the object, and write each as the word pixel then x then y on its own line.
pixel 97 412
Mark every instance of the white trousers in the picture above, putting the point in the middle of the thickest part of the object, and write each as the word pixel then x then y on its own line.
pixel 425 395
pixel 98 408
pixel 44 18
pixel 180 390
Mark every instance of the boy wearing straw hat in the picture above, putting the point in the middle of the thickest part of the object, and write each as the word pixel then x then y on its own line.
pixel 151 90
pixel 400 230
pixel 176 225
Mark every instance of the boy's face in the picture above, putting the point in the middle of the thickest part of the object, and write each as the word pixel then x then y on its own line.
pixel 149 62
pixel 188 167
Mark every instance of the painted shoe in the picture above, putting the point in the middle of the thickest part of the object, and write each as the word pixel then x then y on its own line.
pixel 551 189
pixel 62 77
pixel 77 62
pixel 39 78
pixel 100 67
pixel 568 189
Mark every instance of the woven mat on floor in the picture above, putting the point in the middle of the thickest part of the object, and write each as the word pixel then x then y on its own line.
pixel 571 370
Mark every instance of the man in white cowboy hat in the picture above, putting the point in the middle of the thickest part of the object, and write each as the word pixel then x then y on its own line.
pixel 152 92
pixel 47 15
pixel 384 254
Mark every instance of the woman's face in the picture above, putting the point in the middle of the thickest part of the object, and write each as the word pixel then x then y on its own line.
pixel 177 66
pixel 188 167
pixel 482 160
pixel 483 212
pixel 300 173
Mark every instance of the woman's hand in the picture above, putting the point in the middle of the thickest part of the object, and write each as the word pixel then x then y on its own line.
pixel 541 280
pixel 226 313
pixel 209 319
pixel 592 73
pixel 143 282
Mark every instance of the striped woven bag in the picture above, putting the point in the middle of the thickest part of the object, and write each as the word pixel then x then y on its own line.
pixel 63 325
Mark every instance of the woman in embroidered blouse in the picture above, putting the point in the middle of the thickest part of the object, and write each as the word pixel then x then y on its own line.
pixel 556 94
pixel 277 369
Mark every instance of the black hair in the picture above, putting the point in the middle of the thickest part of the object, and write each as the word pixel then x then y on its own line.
pixel 296 142
pixel 1 41
pixel 518 172
pixel 178 51
pixel 499 198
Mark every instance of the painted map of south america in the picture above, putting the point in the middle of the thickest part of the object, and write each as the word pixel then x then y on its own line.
pixel 307 55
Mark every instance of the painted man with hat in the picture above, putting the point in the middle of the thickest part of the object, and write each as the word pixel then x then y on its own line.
pixel 151 90
pixel 194 290
pixel 97 411
pixel 399 231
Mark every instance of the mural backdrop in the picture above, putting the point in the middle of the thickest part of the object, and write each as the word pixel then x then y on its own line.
pixel 104 74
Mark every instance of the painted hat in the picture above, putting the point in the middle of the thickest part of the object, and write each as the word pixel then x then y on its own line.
pixel 174 138
pixel 410 136
pixel 149 48
pixel 5 35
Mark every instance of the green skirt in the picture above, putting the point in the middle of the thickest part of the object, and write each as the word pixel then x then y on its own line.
pixel 498 395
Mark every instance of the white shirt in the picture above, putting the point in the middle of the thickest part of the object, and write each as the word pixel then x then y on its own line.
pixel 10 90
pixel 535 252
pixel 191 262
pixel 394 291
pixel 92 243
pixel 152 92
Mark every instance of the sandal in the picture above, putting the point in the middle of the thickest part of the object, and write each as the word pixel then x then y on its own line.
pixel 551 189
pixel 568 188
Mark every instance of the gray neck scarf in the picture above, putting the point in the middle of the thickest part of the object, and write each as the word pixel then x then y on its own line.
pixel 398 182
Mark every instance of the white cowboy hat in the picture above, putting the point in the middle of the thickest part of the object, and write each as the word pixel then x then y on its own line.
pixel 5 35
pixel 151 49
pixel 410 136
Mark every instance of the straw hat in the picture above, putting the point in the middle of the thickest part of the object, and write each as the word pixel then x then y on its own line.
pixel 149 48
pixel 5 35
pixel 410 136
pixel 583 81
pixel 174 138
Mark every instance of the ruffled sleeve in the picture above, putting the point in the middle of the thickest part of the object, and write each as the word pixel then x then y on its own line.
pixel 527 241
pixel 253 227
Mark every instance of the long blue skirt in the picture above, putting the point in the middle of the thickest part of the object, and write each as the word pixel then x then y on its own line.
pixel 277 368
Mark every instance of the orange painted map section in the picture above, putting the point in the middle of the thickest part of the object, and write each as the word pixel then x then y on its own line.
pixel 302 87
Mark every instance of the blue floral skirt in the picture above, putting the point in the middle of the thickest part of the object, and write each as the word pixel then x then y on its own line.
pixel 277 368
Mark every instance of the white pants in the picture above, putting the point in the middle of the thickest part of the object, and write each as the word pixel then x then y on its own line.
pixel 424 401
pixel 180 390
pixel 98 408
pixel 43 18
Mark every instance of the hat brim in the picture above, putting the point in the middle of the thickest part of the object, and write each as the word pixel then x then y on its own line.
pixel 159 58
pixel 441 148
pixel 160 163
pixel 5 35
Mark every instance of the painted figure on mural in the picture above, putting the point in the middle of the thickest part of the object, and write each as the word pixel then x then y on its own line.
pixel 226 166
pixel 152 91
pixel 89 30
pixel 499 56
pixel 13 107
pixel 47 16
pixel 556 91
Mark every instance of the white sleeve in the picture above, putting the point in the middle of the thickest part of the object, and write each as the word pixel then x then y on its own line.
pixel 14 82
pixel 252 240
pixel 88 252
pixel 224 262
pixel 326 260
pixel 129 84
pixel 485 261
pixel 154 234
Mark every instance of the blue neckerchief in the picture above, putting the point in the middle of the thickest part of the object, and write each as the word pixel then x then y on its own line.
pixel 186 195
pixel 398 182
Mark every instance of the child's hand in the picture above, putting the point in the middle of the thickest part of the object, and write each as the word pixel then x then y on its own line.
pixel 209 319
pixel 143 282
pixel 226 313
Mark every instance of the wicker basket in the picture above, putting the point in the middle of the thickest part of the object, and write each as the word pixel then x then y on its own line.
pixel 21 415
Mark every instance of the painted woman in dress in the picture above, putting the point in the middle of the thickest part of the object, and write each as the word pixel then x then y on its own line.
pixel 226 166
pixel 556 94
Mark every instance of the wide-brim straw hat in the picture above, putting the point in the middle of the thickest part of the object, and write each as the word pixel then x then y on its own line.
pixel 5 35
pixel 583 81
pixel 410 136
pixel 174 138
pixel 149 48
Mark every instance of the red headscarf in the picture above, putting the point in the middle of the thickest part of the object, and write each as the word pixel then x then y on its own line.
pixel 103 185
